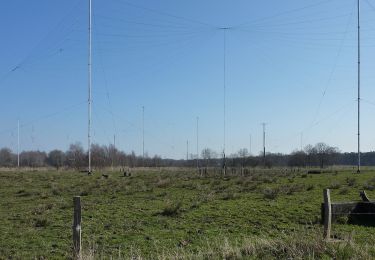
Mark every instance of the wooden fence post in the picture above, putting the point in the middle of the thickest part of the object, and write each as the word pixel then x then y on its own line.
pixel 327 214
pixel 77 228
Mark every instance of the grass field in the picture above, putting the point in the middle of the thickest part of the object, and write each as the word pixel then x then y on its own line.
pixel 177 214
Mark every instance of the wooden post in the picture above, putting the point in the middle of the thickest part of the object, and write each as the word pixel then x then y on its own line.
pixel 327 214
pixel 77 228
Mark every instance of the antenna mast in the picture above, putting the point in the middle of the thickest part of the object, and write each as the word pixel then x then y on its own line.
pixel 197 144
pixel 264 144
pixel 359 87
pixel 224 88
pixel 143 136
pixel 250 146
pixel 90 83
pixel 18 143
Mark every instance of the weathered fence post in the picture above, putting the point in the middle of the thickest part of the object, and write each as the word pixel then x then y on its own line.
pixel 77 228
pixel 327 213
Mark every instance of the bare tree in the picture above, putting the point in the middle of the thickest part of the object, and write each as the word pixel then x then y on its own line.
pixel 297 159
pixel 75 156
pixel 325 153
pixel 7 158
pixel 56 158
pixel 208 154
pixel 33 158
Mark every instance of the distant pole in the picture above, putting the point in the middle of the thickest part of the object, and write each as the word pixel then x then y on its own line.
pixel 250 146
pixel 224 90
pixel 114 150
pixel 143 135
pixel 198 144
pixel 359 87
pixel 187 150
pixel 264 144
pixel 18 143
pixel 90 85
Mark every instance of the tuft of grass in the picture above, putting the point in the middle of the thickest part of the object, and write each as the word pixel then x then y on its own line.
pixel 270 193
pixel 310 187
pixel 163 183
pixel 229 196
pixel 335 185
pixel 369 186
pixel 172 208
pixel 351 181
pixel 344 191
pixel 40 222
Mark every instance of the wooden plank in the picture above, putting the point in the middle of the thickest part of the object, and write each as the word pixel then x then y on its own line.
pixel 327 214
pixel 77 228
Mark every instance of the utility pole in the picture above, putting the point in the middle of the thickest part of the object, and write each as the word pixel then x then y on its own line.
pixel 187 150
pixel 264 144
pixel 359 85
pixel 89 86
pixel 198 144
pixel 18 143
pixel 143 136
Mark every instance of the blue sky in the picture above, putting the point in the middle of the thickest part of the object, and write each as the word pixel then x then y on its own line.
pixel 291 64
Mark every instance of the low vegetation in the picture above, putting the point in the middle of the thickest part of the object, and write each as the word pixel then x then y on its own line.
pixel 178 214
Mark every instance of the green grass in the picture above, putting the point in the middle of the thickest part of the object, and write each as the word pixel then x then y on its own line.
pixel 174 211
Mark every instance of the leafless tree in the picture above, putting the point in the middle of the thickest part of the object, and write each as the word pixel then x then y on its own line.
pixel 75 156
pixel 7 158
pixel 56 158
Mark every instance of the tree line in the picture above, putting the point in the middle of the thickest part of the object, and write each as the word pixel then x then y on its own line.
pixel 318 155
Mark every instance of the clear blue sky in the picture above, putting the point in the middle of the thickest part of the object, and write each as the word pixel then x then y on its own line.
pixel 291 64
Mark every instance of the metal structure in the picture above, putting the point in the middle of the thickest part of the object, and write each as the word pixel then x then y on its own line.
pixel 264 144
pixel 198 143
pixel 225 29
pixel 143 135
pixel 359 86
pixel 18 143
pixel 89 85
